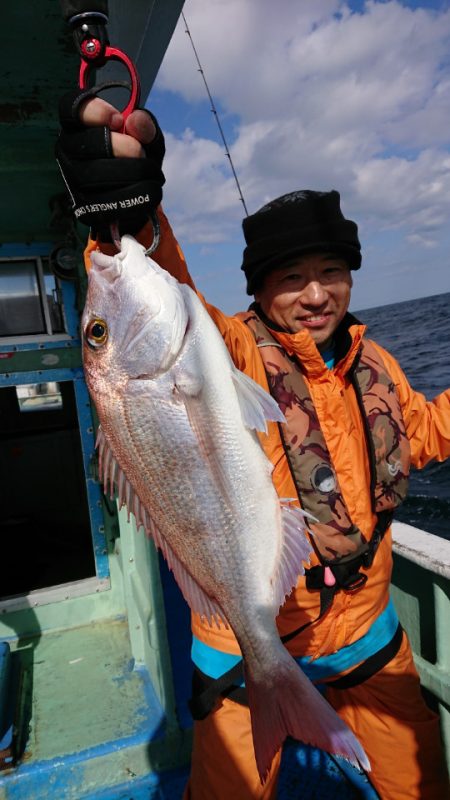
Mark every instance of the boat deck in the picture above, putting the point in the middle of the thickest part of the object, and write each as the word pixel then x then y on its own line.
pixel 69 674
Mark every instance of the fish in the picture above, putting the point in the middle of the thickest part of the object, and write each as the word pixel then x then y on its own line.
pixel 178 441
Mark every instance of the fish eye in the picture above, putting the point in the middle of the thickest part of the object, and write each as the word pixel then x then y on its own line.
pixel 96 333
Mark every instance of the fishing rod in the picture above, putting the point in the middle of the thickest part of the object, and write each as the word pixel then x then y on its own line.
pixel 216 115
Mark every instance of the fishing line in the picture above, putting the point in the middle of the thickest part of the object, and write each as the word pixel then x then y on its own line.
pixel 216 115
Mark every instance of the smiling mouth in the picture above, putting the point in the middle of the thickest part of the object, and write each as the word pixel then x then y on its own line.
pixel 314 319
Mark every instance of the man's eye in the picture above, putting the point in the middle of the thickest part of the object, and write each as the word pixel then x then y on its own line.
pixel 333 270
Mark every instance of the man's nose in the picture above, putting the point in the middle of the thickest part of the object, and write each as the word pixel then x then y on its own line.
pixel 313 294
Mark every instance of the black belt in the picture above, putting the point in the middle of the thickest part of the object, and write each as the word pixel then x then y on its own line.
pixel 371 665
pixel 206 690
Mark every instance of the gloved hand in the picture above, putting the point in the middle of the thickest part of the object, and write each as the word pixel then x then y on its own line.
pixel 110 178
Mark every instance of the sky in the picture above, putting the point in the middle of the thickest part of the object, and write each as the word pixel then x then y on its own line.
pixel 316 94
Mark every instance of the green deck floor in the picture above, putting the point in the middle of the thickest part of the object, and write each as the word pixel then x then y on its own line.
pixel 94 720
pixel 86 692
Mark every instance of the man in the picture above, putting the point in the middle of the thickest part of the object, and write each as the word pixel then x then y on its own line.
pixel 354 426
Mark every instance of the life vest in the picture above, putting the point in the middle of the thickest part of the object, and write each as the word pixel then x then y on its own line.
pixel 306 450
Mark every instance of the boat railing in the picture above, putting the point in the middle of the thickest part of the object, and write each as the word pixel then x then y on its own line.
pixel 421 593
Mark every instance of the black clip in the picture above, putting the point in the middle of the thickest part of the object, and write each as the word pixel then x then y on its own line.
pixel 345 574
pixel 90 36
pixel 314 577
pixel 353 582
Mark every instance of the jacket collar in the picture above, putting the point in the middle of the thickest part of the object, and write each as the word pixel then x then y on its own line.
pixel 301 345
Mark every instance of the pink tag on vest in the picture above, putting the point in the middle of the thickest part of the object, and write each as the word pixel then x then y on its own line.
pixel 328 577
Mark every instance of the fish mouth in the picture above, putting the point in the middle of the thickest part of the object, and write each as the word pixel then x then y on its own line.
pixel 108 267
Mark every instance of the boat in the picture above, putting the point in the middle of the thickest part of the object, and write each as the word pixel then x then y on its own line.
pixel 95 671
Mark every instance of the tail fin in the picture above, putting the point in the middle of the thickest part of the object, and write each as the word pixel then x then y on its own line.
pixel 290 705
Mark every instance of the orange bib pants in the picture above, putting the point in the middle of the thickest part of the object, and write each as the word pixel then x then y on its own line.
pixel 399 733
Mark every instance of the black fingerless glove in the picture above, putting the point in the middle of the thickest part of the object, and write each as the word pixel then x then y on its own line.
pixel 105 189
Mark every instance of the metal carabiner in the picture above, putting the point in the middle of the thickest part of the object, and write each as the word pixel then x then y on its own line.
pixel 115 235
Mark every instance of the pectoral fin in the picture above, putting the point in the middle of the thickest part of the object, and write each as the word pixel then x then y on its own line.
pixel 257 406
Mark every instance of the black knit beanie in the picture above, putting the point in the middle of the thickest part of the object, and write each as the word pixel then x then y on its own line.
pixel 295 224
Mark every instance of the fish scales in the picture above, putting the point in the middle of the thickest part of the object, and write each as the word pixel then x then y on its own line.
pixel 179 422
pixel 173 467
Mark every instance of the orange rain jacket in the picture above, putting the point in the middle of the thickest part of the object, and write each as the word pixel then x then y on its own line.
pixel 352 613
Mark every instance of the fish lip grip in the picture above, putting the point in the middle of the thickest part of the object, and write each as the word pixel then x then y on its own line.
pixel 92 43
pixel 90 50
pixel 95 54
pixel 91 40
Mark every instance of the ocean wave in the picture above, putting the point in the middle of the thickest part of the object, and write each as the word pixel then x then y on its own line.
pixel 431 514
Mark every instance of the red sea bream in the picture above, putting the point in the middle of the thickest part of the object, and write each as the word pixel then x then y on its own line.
pixel 178 440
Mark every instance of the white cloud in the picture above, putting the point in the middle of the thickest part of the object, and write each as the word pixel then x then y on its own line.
pixel 324 97
pixel 199 189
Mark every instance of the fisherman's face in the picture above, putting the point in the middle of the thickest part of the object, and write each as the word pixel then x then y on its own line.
pixel 312 294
